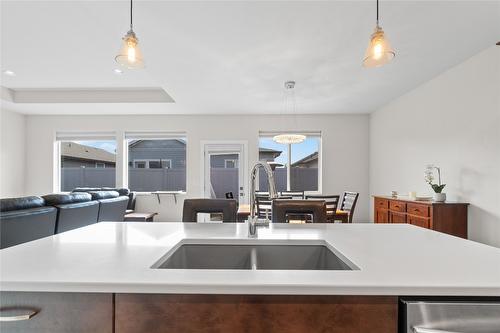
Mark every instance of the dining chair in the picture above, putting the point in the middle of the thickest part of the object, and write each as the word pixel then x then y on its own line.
pixel 284 209
pixel 264 206
pixel 192 207
pixel 293 194
pixel 348 203
pixel 332 203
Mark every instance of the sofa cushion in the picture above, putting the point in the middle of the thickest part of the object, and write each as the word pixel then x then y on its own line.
pixel 9 204
pixel 121 190
pixel 75 215
pixel 99 195
pixel 66 198
pixel 21 226
pixel 86 189
pixel 112 209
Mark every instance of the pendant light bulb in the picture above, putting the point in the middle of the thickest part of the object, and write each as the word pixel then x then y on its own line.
pixel 379 51
pixel 130 56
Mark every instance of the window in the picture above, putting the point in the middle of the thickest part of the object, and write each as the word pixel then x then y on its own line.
pixel 152 164
pixel 166 164
pixel 230 164
pixel 86 160
pixel 304 159
pixel 157 162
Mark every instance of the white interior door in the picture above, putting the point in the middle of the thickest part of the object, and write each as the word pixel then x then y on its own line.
pixel 225 170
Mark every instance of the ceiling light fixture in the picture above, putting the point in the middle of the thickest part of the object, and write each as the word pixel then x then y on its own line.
pixel 289 138
pixel 379 51
pixel 9 72
pixel 130 55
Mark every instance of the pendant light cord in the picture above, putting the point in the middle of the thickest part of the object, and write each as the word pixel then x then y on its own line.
pixel 377 12
pixel 131 9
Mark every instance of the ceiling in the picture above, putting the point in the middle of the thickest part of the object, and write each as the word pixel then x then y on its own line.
pixel 233 57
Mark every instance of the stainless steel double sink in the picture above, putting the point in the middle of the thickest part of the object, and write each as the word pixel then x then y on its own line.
pixel 291 255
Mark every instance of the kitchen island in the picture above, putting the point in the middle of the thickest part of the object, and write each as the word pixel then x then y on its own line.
pixel 113 262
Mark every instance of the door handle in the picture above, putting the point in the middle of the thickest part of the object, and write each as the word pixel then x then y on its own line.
pixel 19 317
pixel 417 329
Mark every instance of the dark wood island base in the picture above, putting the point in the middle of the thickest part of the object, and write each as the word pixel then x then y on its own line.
pixel 176 313
pixel 255 313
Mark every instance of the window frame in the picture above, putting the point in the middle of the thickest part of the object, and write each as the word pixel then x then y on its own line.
pixel 68 136
pixel 150 135
pixel 316 134
pixel 146 163
pixel 235 163
pixel 169 162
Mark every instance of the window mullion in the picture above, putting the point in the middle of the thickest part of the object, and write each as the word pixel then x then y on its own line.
pixel 289 168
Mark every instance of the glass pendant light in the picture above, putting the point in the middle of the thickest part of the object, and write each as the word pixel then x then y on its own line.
pixel 289 138
pixel 379 51
pixel 130 55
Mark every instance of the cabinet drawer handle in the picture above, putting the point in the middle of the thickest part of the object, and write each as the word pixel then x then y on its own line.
pixel 19 317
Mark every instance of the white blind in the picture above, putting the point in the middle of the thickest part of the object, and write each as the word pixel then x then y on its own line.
pixel 136 135
pixel 81 136
pixel 273 133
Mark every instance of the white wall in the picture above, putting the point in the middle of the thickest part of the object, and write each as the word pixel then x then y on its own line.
pixel 452 121
pixel 344 147
pixel 12 158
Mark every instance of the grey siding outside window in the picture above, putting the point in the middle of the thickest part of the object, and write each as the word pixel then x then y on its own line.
pixel 170 149
pixel 157 165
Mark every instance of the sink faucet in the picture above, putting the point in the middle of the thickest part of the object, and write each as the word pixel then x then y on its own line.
pixel 253 219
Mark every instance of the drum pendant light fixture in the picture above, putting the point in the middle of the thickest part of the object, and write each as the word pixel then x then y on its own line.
pixel 130 56
pixel 379 51
pixel 289 138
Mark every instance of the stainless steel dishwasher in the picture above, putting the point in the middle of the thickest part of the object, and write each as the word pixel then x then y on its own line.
pixel 449 315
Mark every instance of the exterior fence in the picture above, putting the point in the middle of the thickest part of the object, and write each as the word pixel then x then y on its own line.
pixel 147 180
pixel 301 179
pixel 87 177
pixel 141 180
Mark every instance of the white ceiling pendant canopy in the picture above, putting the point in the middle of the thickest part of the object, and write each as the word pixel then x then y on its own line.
pixel 379 51
pixel 289 138
pixel 130 55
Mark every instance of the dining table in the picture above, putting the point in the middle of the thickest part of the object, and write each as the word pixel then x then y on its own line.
pixel 339 215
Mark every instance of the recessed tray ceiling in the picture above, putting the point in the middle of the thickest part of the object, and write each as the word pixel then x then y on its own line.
pixel 87 95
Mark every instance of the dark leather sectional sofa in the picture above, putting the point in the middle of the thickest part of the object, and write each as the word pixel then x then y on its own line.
pixel 28 218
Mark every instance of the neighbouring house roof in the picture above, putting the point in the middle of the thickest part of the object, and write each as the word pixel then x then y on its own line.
pixel 275 153
pixel 132 143
pixel 308 159
pixel 76 150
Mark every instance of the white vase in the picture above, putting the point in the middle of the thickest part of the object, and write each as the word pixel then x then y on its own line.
pixel 439 197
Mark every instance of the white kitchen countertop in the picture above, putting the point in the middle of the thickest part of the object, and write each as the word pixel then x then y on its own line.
pixel 116 257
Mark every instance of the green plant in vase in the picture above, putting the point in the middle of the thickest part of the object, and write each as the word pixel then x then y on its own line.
pixel 439 196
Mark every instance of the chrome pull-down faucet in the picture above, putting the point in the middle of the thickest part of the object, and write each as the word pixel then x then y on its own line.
pixel 253 219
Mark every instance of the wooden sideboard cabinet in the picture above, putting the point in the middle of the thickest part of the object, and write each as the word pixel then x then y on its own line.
pixel 447 217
